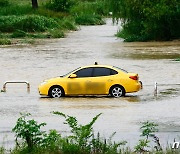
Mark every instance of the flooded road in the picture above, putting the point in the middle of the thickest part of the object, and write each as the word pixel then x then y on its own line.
pixel 153 61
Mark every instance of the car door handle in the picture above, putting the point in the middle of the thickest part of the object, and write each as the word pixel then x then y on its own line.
pixel 109 80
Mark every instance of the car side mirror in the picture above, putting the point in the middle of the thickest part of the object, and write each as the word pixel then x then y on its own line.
pixel 73 76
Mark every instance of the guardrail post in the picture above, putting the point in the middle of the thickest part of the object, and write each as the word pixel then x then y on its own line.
pixel 4 87
pixel 28 87
pixel 155 89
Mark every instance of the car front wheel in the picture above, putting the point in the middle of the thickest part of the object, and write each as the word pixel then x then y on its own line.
pixel 117 91
pixel 56 92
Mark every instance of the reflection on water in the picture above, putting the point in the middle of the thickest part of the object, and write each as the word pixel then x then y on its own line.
pixel 50 58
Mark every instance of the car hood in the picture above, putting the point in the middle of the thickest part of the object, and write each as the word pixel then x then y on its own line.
pixel 53 79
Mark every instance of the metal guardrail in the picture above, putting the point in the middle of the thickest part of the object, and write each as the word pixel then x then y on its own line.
pixel 26 82
pixel 28 85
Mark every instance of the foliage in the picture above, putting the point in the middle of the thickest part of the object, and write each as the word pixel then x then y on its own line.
pixel 94 7
pixel 29 131
pixel 5 42
pixel 16 10
pixel 81 141
pixel 27 41
pixel 2 150
pixel 60 5
pixel 56 33
pixel 50 13
pixel 80 133
pixel 88 19
pixel 18 33
pixel 147 20
pixel 89 13
pixel 19 20
pixel 68 23
pixel 147 130
pixel 4 3
pixel 27 23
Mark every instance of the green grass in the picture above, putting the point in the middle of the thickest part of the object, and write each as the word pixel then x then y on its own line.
pixel 5 42
pixel 56 33
pixel 19 20
pixel 89 13
pixel 27 23
pixel 16 10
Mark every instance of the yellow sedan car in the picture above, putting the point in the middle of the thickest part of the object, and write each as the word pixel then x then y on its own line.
pixel 92 80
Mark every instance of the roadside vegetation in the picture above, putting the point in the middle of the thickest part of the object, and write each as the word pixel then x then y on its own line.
pixel 82 140
pixel 52 19
pixel 144 20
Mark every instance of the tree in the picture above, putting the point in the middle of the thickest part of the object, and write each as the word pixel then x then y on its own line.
pixel 144 20
pixel 34 4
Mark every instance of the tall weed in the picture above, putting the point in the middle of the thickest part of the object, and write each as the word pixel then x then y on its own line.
pixel 82 139
pixel 29 131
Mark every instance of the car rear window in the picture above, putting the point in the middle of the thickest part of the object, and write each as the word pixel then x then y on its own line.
pixel 120 69
pixel 101 71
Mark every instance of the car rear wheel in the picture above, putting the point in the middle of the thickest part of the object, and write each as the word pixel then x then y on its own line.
pixel 56 92
pixel 117 91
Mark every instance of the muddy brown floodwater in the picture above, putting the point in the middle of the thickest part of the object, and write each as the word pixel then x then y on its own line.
pixel 153 61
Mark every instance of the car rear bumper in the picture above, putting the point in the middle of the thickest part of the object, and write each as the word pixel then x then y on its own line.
pixel 141 84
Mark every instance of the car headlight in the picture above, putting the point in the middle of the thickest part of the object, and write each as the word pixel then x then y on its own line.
pixel 44 82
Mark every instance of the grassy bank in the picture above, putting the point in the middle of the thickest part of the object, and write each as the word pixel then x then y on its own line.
pixel 82 140
pixel 51 20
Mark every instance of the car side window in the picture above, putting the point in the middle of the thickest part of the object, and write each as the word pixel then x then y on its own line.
pixel 113 72
pixel 86 72
pixel 101 71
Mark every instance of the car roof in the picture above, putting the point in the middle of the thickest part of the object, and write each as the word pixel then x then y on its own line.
pixel 106 66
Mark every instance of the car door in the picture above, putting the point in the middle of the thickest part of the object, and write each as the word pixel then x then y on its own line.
pixel 102 79
pixel 80 84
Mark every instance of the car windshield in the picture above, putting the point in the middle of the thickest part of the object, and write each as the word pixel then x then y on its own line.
pixel 120 69
pixel 69 72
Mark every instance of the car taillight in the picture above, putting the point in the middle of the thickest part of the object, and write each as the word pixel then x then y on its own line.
pixel 134 77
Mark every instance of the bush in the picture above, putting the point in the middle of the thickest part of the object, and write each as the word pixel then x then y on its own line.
pixel 60 5
pixel 151 20
pixel 4 3
pixel 5 42
pixel 89 19
pixel 29 131
pixel 27 23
